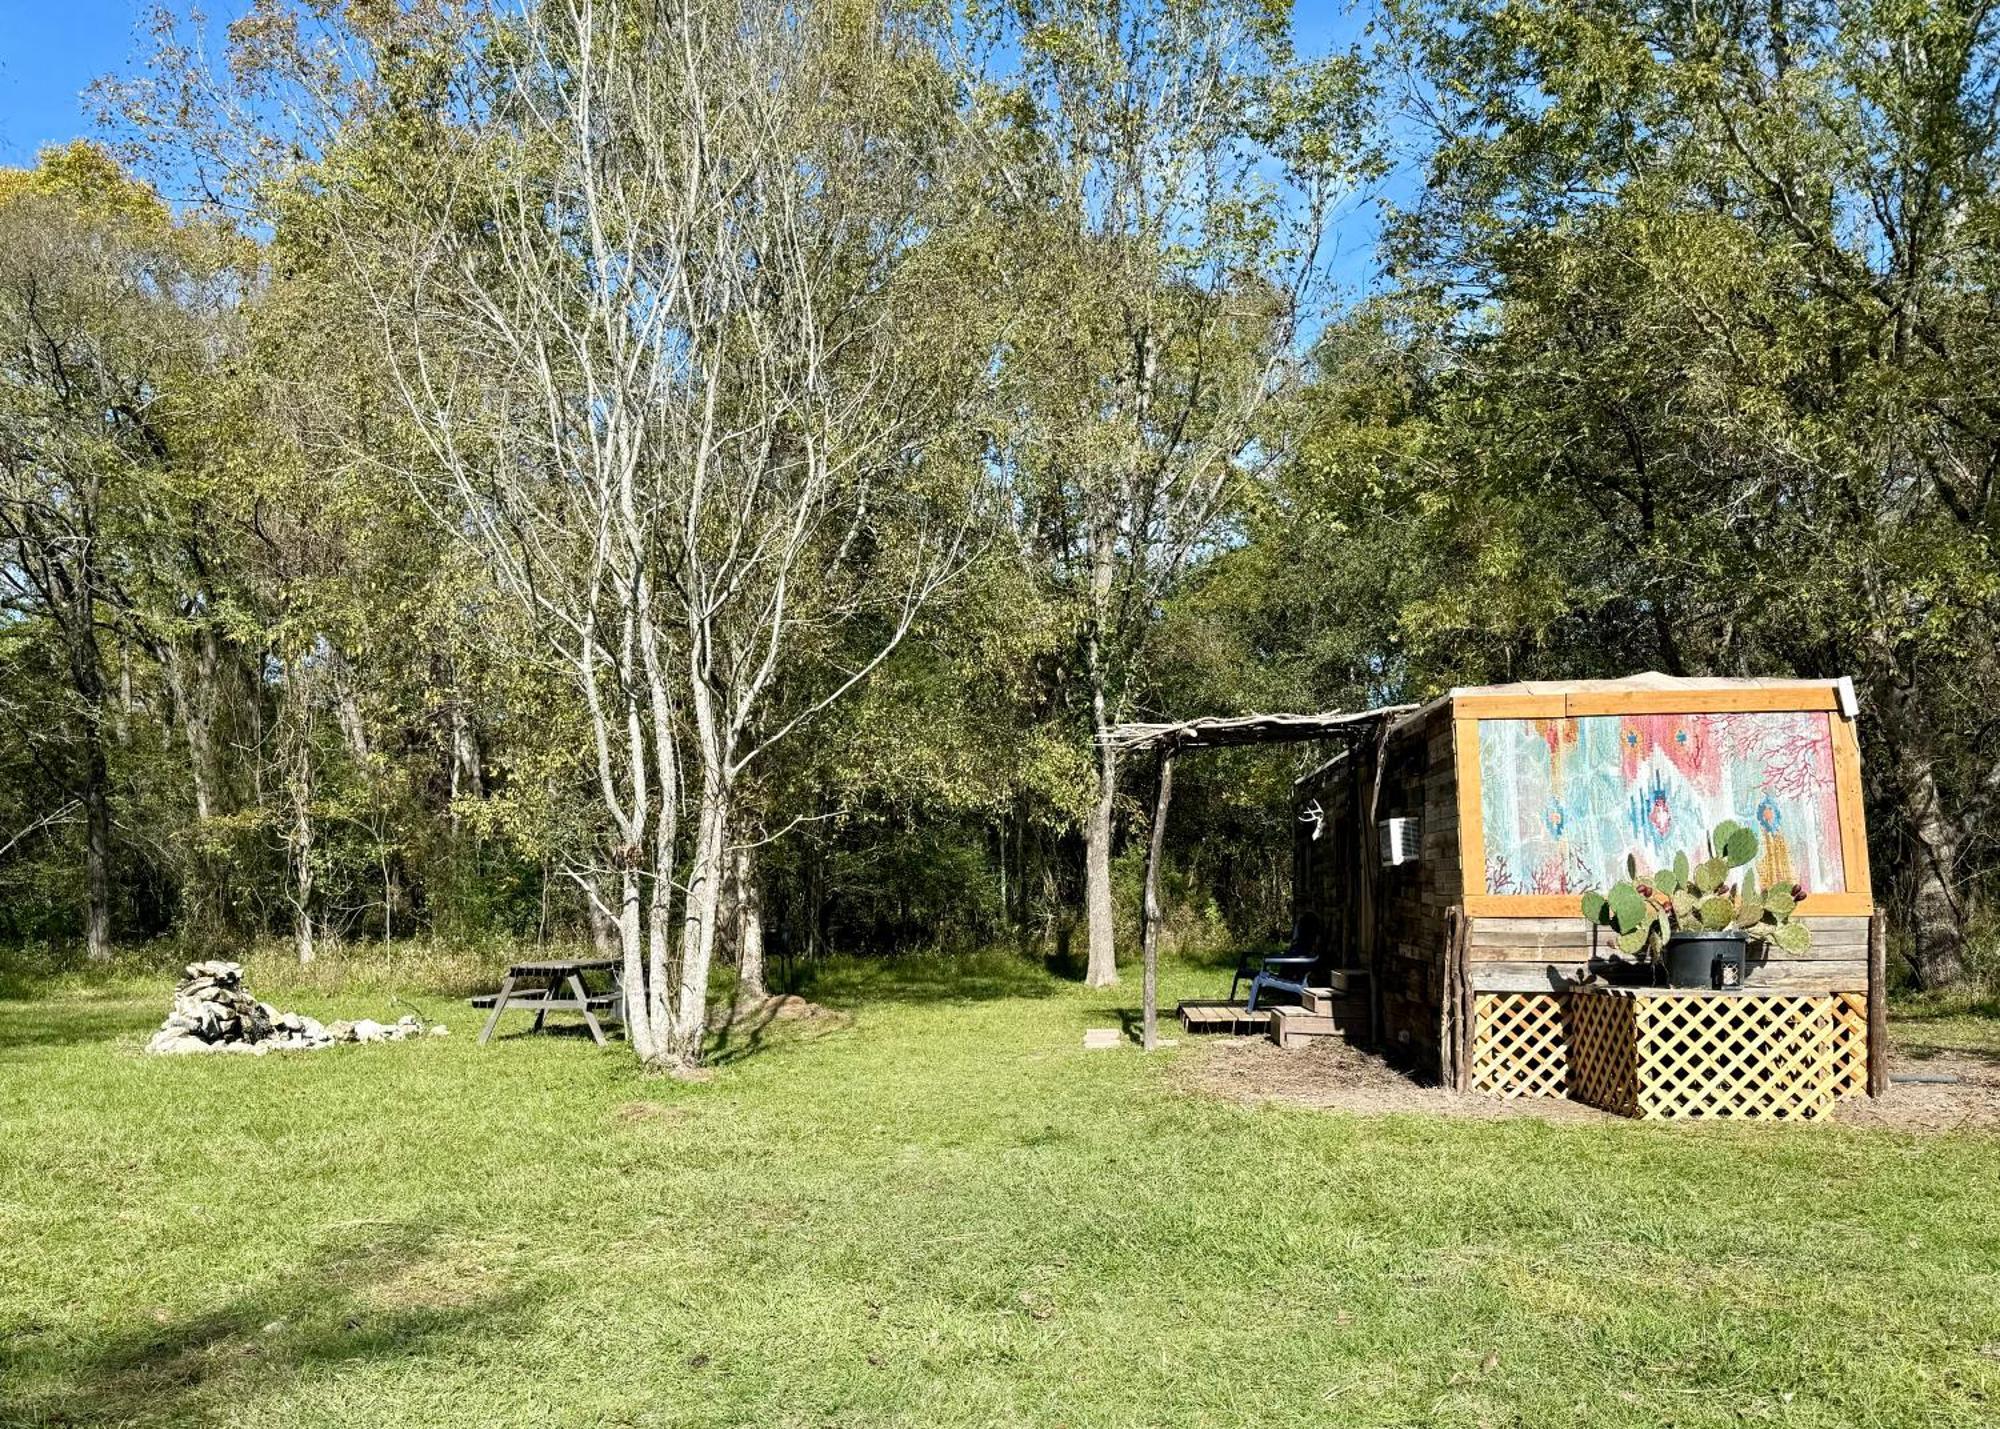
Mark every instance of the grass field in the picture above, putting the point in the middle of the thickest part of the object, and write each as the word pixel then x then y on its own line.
pixel 937 1210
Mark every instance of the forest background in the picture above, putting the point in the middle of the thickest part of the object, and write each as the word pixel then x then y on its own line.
pixel 699 476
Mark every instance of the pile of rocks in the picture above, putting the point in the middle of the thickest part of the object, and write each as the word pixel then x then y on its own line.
pixel 214 1012
pixel 369 1030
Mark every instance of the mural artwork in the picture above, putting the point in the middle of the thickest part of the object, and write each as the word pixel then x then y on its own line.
pixel 1564 802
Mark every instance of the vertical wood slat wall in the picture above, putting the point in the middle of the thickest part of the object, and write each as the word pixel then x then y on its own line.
pixel 1391 921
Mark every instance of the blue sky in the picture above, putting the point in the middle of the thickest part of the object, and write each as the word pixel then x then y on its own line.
pixel 50 50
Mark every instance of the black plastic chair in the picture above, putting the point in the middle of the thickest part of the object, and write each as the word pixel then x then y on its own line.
pixel 1286 971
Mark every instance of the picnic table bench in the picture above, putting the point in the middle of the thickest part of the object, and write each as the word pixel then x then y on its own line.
pixel 547 985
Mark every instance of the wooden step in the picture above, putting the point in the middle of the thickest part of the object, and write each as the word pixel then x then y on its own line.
pixel 1348 979
pixel 1292 1026
pixel 1325 1002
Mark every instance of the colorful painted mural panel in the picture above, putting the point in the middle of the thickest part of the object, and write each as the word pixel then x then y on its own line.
pixel 1564 802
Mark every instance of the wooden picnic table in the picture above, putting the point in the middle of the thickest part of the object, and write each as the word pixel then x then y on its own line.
pixel 547 985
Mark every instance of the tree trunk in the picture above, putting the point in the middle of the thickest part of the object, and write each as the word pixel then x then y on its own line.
pixel 87 676
pixel 749 928
pixel 1937 918
pixel 347 709
pixel 467 780
pixel 302 871
pixel 683 1045
pixel 634 939
pixel 296 733
pixel 1937 913
pixel 1102 967
pixel 1151 910
pixel 97 849
pixel 193 718
pixel 603 927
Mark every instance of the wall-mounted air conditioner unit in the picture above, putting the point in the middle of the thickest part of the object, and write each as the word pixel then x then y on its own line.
pixel 1399 842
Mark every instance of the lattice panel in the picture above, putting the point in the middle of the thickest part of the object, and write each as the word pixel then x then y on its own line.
pixel 1787 1056
pixel 1742 1055
pixel 1604 1054
pixel 1519 1044
pixel 1850 1033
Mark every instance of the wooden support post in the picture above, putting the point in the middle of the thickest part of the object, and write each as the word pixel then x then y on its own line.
pixel 1447 1029
pixel 1463 963
pixel 1149 913
pixel 1371 893
pixel 1878 1005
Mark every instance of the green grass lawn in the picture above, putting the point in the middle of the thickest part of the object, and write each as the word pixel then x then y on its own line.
pixel 938 1212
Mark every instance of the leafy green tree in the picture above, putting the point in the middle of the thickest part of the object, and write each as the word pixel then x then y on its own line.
pixel 1166 172
pixel 109 313
pixel 1717 284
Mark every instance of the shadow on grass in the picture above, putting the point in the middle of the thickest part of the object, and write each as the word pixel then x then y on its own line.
pixel 1940 1008
pixel 970 977
pixel 32 1024
pixel 746 1030
pixel 1918 1050
pixel 365 1296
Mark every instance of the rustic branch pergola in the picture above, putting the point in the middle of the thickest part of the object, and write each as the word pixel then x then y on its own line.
pixel 1169 740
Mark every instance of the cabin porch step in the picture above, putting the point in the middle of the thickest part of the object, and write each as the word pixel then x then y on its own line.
pixel 1334 1002
pixel 1293 1026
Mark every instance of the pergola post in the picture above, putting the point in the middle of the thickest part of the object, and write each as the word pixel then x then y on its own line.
pixel 1878 1005
pixel 1149 909
pixel 1169 740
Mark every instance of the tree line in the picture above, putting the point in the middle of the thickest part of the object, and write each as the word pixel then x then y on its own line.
pixel 700 475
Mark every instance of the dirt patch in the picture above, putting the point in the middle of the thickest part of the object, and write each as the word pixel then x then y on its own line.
pixel 786 1008
pixel 1971 1102
pixel 1330 1075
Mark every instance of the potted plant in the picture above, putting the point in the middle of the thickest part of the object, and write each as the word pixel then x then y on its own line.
pixel 1693 921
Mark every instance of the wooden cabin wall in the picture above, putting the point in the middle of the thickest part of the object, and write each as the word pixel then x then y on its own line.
pixel 1419 779
pixel 1544 954
pixel 1326 871
pixel 1390 922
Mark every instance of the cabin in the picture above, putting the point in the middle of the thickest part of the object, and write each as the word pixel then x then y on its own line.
pixel 1442 862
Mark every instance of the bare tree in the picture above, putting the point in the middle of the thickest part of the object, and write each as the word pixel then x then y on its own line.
pixel 647 310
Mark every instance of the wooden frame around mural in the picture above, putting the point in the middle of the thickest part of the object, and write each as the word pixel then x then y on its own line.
pixel 1856 900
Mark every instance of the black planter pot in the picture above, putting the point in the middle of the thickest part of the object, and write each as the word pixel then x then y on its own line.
pixel 1705 959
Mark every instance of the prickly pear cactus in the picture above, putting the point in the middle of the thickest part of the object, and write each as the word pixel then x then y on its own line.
pixel 1644 910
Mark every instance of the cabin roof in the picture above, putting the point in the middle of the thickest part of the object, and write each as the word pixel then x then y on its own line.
pixel 1650 680
pixel 1221 731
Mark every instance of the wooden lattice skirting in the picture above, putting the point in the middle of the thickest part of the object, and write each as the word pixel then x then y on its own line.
pixel 1520 1046
pixel 1790 1055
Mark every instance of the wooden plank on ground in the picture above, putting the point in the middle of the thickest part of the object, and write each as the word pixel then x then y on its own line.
pixel 1220 1015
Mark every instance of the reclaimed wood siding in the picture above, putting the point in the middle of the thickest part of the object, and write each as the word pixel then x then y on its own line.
pixel 1545 954
pixel 1419 779
pixel 1391 921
